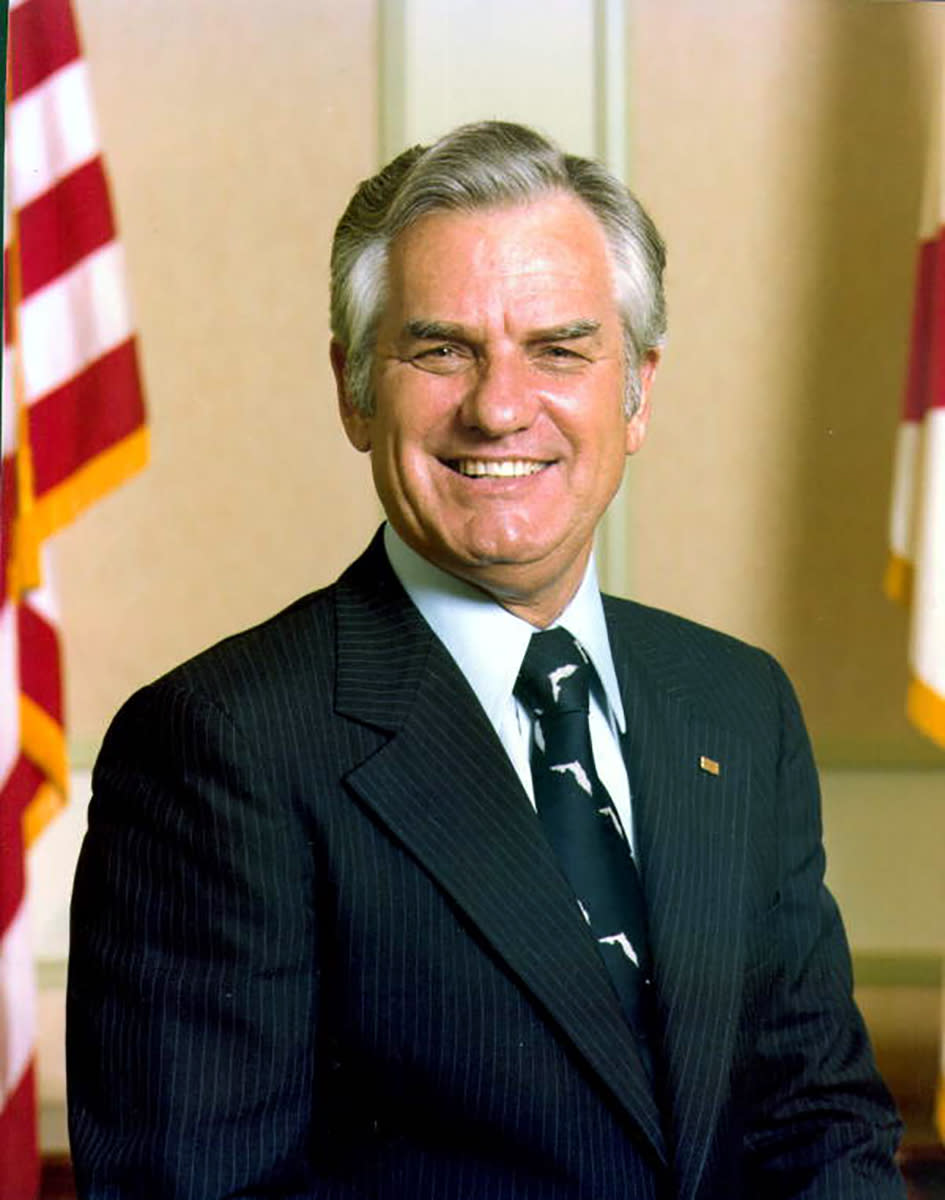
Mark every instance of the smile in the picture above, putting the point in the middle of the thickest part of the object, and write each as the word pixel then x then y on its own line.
pixel 490 468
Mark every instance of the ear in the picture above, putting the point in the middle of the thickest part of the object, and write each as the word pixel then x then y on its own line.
pixel 639 422
pixel 357 426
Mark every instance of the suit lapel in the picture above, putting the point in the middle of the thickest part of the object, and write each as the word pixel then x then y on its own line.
pixel 444 787
pixel 691 829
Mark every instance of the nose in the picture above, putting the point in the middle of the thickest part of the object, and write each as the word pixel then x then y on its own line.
pixel 500 399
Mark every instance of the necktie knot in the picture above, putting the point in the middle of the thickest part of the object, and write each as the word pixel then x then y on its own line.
pixel 555 674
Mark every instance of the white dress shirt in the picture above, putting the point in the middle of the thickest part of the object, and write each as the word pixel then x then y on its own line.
pixel 488 644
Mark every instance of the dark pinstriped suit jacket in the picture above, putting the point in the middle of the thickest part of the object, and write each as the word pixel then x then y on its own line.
pixel 320 947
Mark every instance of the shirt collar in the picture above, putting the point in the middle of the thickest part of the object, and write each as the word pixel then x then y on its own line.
pixel 466 619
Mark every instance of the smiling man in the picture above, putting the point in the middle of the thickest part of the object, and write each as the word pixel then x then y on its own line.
pixel 457 879
pixel 498 428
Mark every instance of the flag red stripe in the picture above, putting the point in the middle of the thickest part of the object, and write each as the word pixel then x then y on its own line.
pixel 921 338
pixel 935 379
pixel 40 677
pixel 43 38
pixel 21 786
pixel 7 301
pixel 19 1177
pixel 61 227
pixel 85 416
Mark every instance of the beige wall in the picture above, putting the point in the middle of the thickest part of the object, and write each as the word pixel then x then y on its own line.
pixel 234 133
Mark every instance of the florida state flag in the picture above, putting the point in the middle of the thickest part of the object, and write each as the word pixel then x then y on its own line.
pixel 915 575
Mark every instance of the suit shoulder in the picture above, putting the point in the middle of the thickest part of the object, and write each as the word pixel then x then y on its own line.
pixel 667 629
pixel 274 656
pixel 280 670
pixel 714 673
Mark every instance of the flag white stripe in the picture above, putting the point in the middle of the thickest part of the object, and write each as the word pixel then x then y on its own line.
pixel 928 597
pixel 17 1003
pixel 51 132
pixel 7 406
pixel 9 693
pixel 7 225
pixel 74 320
pixel 902 508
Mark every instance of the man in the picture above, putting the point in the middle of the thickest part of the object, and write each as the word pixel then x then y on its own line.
pixel 364 911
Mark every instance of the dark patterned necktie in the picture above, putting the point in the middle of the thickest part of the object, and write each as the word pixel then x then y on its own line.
pixel 579 818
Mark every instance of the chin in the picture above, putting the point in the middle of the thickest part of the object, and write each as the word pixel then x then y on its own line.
pixel 502 546
pixel 502 554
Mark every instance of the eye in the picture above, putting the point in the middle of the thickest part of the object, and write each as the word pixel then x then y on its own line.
pixel 560 357
pixel 443 359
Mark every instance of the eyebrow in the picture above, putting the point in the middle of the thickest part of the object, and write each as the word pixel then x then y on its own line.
pixel 434 331
pixel 431 331
pixel 569 332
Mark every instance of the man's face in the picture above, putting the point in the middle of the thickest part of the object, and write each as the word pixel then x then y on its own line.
pixel 498 435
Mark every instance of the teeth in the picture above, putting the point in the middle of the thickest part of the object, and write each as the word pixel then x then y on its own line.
pixel 502 468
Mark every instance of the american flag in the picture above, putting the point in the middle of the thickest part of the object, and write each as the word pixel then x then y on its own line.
pixel 72 428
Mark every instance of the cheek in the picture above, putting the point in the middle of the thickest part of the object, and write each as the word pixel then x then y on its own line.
pixel 402 467
pixel 605 435
pixel 417 411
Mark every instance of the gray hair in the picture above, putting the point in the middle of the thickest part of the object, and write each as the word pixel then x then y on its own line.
pixel 490 164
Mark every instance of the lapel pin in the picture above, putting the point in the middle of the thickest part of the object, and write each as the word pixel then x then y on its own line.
pixel 709 764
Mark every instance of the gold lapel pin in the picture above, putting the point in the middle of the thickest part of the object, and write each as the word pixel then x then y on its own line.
pixel 709 764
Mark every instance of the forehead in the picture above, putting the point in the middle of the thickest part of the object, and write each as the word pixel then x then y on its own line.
pixel 552 250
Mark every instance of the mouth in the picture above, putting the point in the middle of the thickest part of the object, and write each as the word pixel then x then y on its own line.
pixel 495 468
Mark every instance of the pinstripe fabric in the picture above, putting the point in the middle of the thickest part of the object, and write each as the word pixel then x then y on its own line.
pixel 320 947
